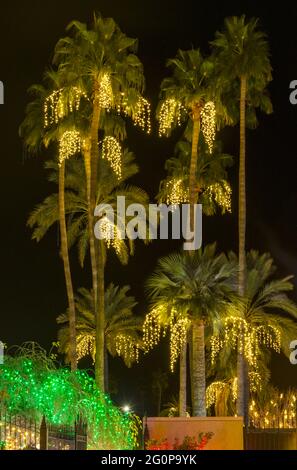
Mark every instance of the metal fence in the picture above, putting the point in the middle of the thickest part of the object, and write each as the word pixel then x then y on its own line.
pixel 271 439
pixel 19 432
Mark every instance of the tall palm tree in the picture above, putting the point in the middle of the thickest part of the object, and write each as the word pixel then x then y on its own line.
pixel 266 302
pixel 35 134
pixel 122 328
pixel 76 206
pixel 184 96
pixel 244 71
pixel 102 62
pixel 268 313
pixel 199 288
pixel 214 192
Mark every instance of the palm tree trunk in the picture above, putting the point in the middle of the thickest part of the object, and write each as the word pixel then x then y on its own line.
pixel 190 341
pixel 193 198
pixel 198 372
pixel 66 263
pixel 106 370
pixel 193 194
pixel 95 263
pixel 100 321
pixel 183 381
pixel 242 401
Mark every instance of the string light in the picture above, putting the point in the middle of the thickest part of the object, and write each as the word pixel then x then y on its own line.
pixel 142 117
pixel 57 104
pixel 238 334
pixel 234 389
pixel 255 381
pixel 208 124
pixel 112 152
pixel 171 110
pixel 178 336
pixel 220 193
pixel 85 346
pixel 111 234
pixel 17 436
pixel 176 193
pixel 30 388
pixel 151 329
pixel 158 320
pixel 277 412
pixel 70 144
pixel 105 92
pixel 127 348
pixel 213 392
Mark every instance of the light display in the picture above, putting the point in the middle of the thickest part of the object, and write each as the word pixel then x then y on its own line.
pixel 277 412
pixel 220 193
pixel 30 388
pixel 59 103
pixel 213 391
pixel 70 144
pixel 111 234
pixel 112 152
pixel 105 92
pixel 151 330
pixel 255 381
pixel 175 192
pixel 247 338
pixel 17 433
pixel 127 348
pixel 166 319
pixel 208 124
pixel 178 336
pixel 170 111
pixel 142 117
pixel 85 345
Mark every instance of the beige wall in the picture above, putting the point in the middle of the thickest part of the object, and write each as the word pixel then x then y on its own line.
pixel 228 431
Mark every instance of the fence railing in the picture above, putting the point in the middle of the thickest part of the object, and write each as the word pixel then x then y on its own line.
pixel 18 432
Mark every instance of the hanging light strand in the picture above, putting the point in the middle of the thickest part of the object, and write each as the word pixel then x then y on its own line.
pixel 208 124
pixel 112 152
pixel 142 117
pixel 111 234
pixel 220 193
pixel 105 92
pixel 85 346
pixel 175 191
pixel 171 110
pixel 59 103
pixel 70 144
pixel 127 348
pixel 152 328
pixel 178 336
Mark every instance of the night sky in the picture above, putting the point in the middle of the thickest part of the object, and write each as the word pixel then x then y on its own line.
pixel 32 282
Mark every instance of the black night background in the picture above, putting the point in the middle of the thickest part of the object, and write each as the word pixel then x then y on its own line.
pixel 32 283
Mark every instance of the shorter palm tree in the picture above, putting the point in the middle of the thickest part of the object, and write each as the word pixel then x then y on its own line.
pixel 268 320
pixel 194 290
pixel 122 327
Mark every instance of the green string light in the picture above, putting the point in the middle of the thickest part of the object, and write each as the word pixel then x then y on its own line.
pixel 31 389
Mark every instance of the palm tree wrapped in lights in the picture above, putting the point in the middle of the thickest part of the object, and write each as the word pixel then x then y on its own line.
pixel 102 62
pixel 122 328
pixel 241 55
pixel 268 322
pixel 189 291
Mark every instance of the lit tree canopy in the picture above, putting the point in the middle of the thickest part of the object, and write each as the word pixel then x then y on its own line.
pixel 122 329
pixel 32 386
